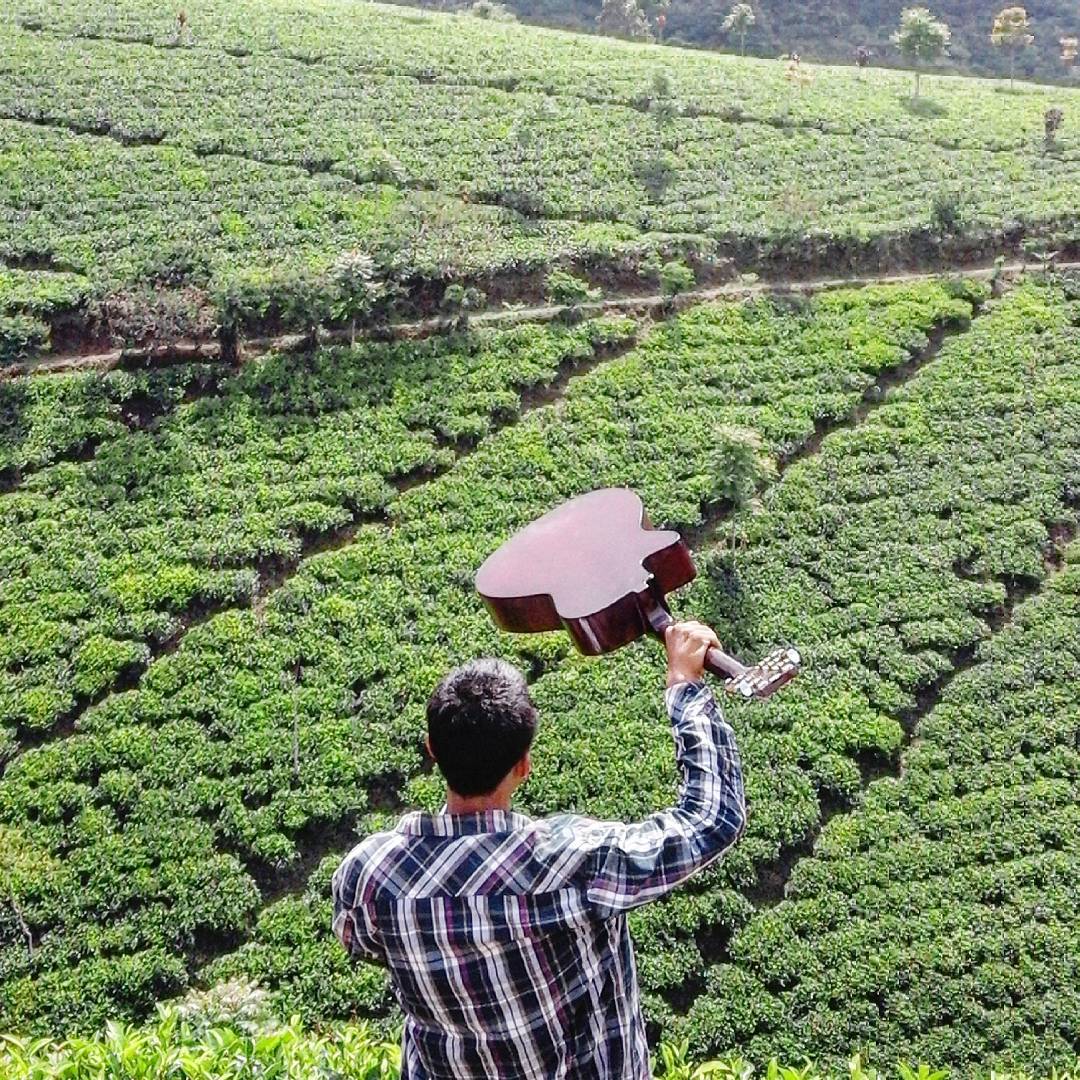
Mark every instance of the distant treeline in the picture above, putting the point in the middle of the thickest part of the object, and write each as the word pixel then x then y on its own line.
pixel 835 29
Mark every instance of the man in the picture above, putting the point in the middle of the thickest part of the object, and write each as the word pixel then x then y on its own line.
pixel 506 938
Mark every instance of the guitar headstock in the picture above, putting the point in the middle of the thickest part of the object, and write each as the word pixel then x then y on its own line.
pixel 765 678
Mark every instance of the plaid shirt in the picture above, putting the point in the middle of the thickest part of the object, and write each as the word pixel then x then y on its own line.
pixel 506 938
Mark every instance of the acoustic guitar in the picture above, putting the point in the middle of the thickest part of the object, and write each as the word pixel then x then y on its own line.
pixel 596 567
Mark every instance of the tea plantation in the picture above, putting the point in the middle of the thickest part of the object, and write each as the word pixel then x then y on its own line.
pixel 159 177
pixel 230 574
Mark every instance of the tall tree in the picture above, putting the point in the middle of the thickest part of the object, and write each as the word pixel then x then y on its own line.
pixel 922 39
pixel 656 15
pixel 739 19
pixel 1012 32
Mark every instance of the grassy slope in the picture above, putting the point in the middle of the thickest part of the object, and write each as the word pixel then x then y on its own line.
pixel 119 901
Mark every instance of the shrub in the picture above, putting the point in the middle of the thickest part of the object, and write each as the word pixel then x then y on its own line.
pixel 173 1047
pixel 240 1004
pixel 676 277
pixel 461 299
pixel 155 317
pixel 21 337
pixel 947 212
pixel 564 288
pixel 495 12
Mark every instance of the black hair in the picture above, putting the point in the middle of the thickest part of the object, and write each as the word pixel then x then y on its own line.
pixel 481 721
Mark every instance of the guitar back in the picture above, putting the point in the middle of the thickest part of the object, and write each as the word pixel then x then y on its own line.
pixel 585 567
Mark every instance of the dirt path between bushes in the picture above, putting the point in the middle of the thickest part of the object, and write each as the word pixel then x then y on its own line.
pixel 646 305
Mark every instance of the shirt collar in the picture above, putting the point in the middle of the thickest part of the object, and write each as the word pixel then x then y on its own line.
pixel 419 823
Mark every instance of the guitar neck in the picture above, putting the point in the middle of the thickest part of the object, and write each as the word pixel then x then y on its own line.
pixel 716 660
pixel 758 681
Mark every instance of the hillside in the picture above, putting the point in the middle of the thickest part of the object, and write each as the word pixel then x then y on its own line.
pixel 307 305
pixel 835 29
pixel 254 148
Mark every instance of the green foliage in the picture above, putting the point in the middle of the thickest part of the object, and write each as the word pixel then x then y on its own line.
pixel 657 418
pixel 21 337
pixel 562 287
pixel 238 1049
pixel 947 212
pixel 206 740
pixel 886 557
pixel 357 293
pixel 676 277
pixel 946 874
pixel 108 553
pixel 921 39
pixel 623 18
pixel 1011 32
pixel 673 277
pixel 828 31
pixel 42 420
pixel 37 292
pixel 239 1004
pixel 738 20
pixel 147 519
pixel 542 156
pixel 741 467
pixel 459 299
pixel 172 1047
pixel 491 10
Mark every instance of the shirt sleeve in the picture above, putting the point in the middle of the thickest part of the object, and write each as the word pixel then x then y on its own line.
pixel 351 925
pixel 627 865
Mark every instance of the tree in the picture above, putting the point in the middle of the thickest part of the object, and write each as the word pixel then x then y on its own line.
pixel 623 18
pixel 1011 31
pixel 523 186
pixel 739 19
pixel 740 465
pixel 676 278
pixel 357 291
pixel 663 106
pixel 659 167
pixel 656 15
pixel 922 39
pixel 1052 121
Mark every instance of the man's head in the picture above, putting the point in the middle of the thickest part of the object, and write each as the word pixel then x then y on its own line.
pixel 481 723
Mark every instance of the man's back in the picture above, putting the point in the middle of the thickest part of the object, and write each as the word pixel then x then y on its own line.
pixel 506 938
pixel 497 960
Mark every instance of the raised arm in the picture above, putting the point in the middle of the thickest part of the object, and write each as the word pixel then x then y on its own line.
pixel 629 865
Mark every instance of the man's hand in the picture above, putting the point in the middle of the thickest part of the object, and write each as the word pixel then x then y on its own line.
pixel 687 643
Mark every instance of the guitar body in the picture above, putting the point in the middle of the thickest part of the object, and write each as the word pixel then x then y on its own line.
pixel 585 566
pixel 596 567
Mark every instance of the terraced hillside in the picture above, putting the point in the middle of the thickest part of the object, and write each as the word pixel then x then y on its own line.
pixel 895 552
pixel 190 733
pixel 230 577
pixel 162 181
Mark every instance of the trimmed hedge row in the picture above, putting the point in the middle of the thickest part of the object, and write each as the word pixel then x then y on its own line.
pixel 267 732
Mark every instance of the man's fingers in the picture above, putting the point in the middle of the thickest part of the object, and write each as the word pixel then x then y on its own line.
pixel 701 634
